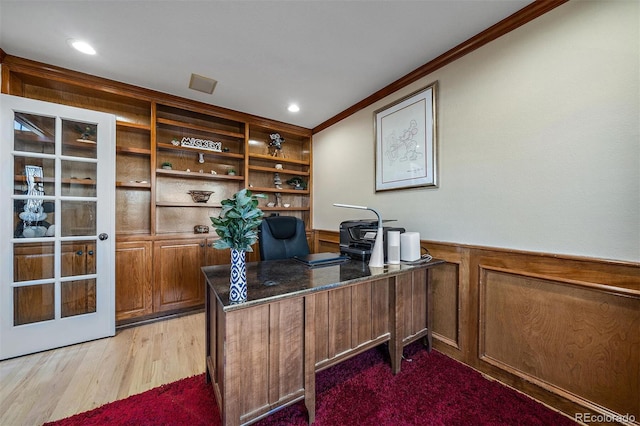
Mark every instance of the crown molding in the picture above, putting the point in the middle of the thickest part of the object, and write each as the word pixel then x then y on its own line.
pixel 521 17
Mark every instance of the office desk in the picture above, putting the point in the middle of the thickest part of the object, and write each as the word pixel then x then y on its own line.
pixel 264 353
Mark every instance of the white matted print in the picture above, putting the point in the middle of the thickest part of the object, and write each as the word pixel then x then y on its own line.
pixel 406 142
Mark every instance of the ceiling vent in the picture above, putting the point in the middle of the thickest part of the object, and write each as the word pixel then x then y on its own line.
pixel 202 84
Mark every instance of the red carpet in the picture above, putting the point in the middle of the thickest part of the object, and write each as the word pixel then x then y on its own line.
pixel 432 389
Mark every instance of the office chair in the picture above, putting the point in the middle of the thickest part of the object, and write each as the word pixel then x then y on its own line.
pixel 282 237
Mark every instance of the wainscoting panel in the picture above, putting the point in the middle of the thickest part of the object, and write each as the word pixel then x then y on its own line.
pixel 570 339
pixel 563 329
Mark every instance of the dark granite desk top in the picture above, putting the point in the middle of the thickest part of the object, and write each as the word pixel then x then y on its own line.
pixel 268 281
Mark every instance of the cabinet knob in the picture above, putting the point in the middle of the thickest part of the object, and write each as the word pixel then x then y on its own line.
pixel 79 252
pixel 210 245
pixel 103 236
pixel 201 244
pixel 90 252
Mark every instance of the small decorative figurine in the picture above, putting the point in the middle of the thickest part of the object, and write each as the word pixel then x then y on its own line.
pixel 86 133
pixel 276 145
pixel 277 181
pixel 278 199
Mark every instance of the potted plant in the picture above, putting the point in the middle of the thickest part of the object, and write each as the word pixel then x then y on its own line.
pixel 297 183
pixel 237 226
pixel 167 165
pixel 231 172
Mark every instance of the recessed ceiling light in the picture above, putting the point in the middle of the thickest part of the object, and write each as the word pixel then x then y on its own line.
pixel 293 108
pixel 82 46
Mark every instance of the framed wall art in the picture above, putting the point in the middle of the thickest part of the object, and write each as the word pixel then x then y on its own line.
pixel 405 138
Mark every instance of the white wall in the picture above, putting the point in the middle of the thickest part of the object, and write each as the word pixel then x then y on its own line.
pixel 538 143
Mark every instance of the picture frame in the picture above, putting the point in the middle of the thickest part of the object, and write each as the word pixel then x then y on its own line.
pixel 406 142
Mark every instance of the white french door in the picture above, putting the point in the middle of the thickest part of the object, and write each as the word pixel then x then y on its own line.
pixel 57 199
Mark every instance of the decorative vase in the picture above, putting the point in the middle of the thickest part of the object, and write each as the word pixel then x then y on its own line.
pixel 238 280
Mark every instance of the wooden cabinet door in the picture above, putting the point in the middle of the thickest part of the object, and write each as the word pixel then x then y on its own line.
pixel 214 256
pixel 178 282
pixel 134 286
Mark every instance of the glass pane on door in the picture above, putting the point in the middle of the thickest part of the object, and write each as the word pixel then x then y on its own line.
pixel 78 258
pixel 79 139
pixel 33 303
pixel 33 261
pixel 34 179
pixel 78 218
pixel 34 133
pixel 78 297
pixel 78 179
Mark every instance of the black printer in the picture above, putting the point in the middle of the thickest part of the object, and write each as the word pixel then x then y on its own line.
pixel 357 237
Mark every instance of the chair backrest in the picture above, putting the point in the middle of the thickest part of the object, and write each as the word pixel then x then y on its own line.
pixel 282 237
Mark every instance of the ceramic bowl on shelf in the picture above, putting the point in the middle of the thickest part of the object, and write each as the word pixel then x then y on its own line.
pixel 200 196
pixel 201 229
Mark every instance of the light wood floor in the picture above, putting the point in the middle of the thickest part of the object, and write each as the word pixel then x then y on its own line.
pixel 55 384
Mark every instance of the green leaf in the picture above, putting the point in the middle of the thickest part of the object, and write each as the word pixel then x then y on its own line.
pixel 238 221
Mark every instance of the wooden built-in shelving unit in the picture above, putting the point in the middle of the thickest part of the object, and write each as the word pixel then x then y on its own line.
pixel 155 215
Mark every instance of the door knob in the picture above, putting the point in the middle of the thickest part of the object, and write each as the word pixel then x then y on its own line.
pixel 103 236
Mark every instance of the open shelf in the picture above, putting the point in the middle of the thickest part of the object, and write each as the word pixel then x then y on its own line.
pixel 282 171
pixel 134 151
pixel 276 160
pixel 220 154
pixel 179 204
pixel 134 184
pixel 197 175
pixel 132 125
pixel 200 128
pixel 257 190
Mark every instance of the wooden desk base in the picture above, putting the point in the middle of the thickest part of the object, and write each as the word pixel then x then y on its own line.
pixel 265 356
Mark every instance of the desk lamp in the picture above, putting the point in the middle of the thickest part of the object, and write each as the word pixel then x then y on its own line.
pixel 377 254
